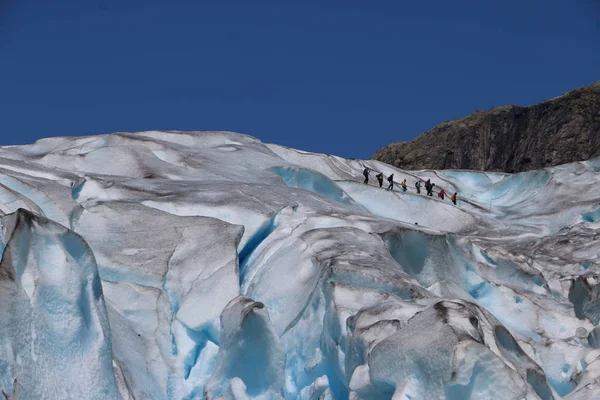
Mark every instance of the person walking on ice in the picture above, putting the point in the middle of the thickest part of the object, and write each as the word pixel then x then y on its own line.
pixel 453 197
pixel 442 193
pixel 403 185
pixel 429 187
pixel 379 177
pixel 366 174
pixel 391 181
pixel 418 186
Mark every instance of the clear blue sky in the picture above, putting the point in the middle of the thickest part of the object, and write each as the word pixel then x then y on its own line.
pixel 342 77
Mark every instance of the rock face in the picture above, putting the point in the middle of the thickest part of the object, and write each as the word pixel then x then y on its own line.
pixel 508 138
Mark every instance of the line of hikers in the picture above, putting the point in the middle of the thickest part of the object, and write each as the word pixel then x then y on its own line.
pixel 428 185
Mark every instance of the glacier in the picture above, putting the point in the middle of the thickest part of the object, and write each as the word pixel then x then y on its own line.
pixel 210 265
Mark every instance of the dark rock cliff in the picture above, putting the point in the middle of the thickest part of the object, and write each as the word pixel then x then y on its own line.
pixel 508 138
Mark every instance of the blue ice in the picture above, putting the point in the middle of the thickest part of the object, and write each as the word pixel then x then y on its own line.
pixel 314 182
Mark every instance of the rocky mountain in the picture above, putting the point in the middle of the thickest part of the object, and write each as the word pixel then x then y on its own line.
pixel 508 138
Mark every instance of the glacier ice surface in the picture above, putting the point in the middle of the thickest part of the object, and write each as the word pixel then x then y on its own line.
pixel 208 265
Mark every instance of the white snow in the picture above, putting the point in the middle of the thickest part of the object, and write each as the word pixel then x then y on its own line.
pixel 189 265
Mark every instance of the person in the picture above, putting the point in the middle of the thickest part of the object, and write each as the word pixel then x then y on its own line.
pixel 429 187
pixel 418 186
pixel 379 177
pixel 403 185
pixel 366 174
pixel 453 197
pixel 442 193
pixel 391 181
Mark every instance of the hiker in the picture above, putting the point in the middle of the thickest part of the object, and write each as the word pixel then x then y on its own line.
pixel 453 197
pixel 442 193
pixel 366 174
pixel 429 187
pixel 418 186
pixel 391 181
pixel 379 177
pixel 403 185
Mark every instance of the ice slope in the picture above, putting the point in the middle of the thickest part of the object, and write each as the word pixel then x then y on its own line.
pixel 55 331
pixel 208 265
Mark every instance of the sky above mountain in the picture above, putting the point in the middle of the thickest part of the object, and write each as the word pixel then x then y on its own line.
pixel 341 77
